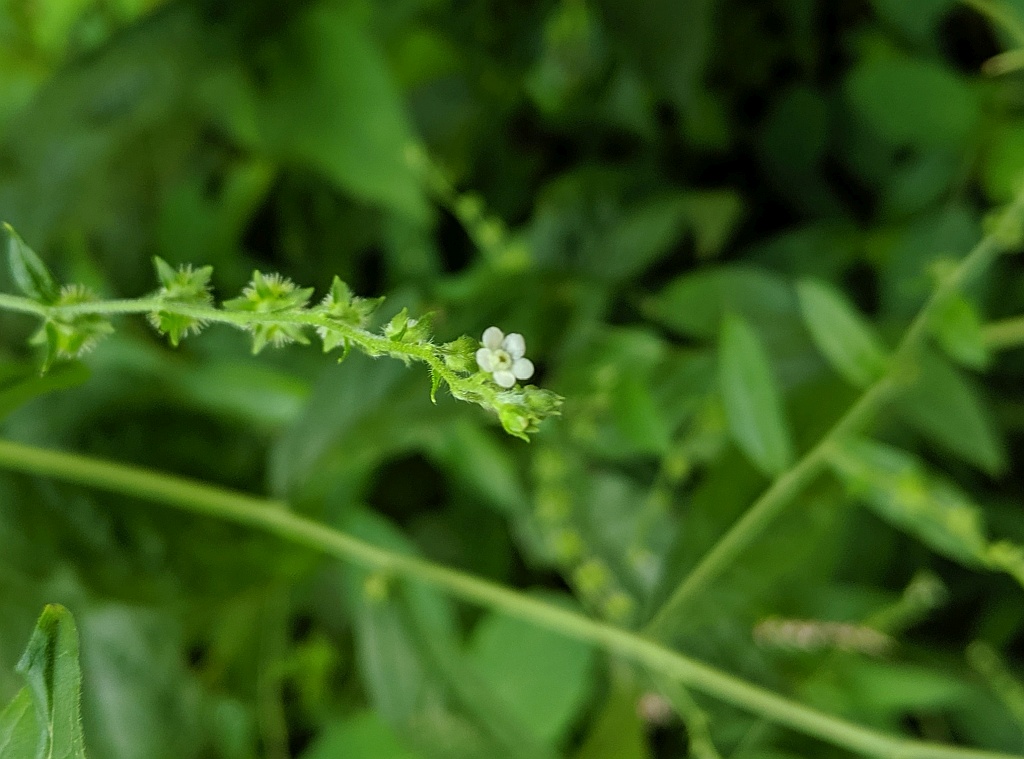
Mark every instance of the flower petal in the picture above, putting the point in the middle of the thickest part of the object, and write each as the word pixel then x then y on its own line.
pixel 485 359
pixel 522 368
pixel 492 338
pixel 515 345
pixel 505 378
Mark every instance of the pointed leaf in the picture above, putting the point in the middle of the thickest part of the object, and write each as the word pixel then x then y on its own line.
pixel 50 665
pixel 753 406
pixel 946 407
pixel 958 329
pixel 30 273
pixel 841 334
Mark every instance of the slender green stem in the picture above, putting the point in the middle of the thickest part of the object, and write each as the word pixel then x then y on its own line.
pixel 790 483
pixel 1000 15
pixel 273 516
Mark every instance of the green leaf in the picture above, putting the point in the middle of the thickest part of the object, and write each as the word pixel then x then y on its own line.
pixel 753 406
pixel 543 678
pixel 362 735
pixel 19 728
pixel 912 102
pixel 841 334
pixel 331 104
pixel 617 732
pixel 958 328
pixel 30 273
pixel 23 390
pixel 897 487
pixel 50 667
pixel 945 406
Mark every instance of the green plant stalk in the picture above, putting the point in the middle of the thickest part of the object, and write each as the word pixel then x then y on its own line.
pixel 790 483
pixel 273 516
pixel 369 341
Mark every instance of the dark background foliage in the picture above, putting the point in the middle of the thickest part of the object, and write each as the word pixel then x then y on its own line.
pixel 608 178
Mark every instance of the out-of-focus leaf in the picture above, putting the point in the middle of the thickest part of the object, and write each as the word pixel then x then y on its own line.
pixel 1003 163
pixel 897 487
pixel 841 334
pixel 957 327
pixel 412 665
pixel 919 19
pixel 617 732
pixel 946 407
pixel 753 406
pixel 140 702
pixel 50 667
pixel 913 102
pixel 330 104
pixel 19 728
pixel 543 677
pixel 60 377
pixel 362 735
pixel 475 457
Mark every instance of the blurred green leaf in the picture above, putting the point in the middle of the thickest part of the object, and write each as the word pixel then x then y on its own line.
pixel 958 328
pixel 362 735
pixel 913 102
pixel 899 489
pixel 617 731
pixel 543 678
pixel 25 388
pixel 753 405
pixel 331 104
pixel 945 406
pixel 841 334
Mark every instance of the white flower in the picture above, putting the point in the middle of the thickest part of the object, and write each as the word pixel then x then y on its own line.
pixel 503 356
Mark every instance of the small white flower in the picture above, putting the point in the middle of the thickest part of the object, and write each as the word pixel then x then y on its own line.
pixel 503 356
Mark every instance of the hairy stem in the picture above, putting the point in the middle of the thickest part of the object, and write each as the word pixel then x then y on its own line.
pixel 273 516
pixel 791 483
pixel 1008 333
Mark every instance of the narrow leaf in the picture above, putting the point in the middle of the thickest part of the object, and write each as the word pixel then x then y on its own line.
pixel 50 666
pixel 753 406
pixel 840 333
pixel 945 406
pixel 897 487
pixel 958 329
pixel 30 273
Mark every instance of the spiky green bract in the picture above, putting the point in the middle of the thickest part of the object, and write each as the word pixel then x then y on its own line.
pixel 460 354
pixel 182 285
pixel 269 294
pixel 70 337
pixel 350 310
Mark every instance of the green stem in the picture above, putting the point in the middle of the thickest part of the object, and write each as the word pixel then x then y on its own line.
pixel 791 482
pixel 273 516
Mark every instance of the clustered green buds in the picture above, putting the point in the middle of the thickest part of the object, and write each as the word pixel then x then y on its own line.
pixel 182 286
pixel 272 294
pixel 276 312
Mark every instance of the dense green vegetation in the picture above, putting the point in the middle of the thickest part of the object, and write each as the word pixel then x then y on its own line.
pixel 758 495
